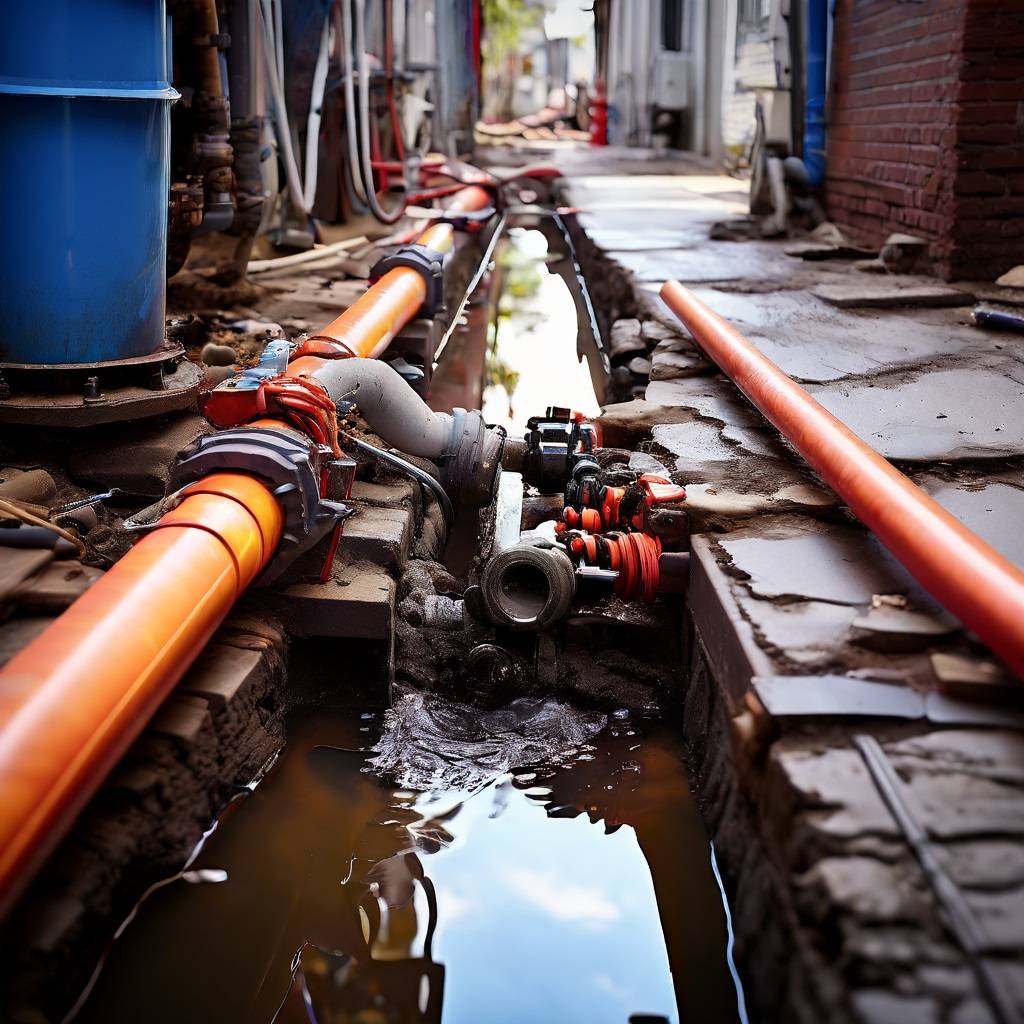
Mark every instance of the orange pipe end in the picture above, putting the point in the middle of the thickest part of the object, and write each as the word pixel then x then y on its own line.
pixel 964 573
pixel 73 700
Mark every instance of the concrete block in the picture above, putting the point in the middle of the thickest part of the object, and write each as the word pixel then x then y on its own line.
pixel 220 674
pixel 381 535
pixel 358 601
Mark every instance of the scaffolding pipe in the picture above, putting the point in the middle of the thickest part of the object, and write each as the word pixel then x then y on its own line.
pixel 964 573
pixel 73 700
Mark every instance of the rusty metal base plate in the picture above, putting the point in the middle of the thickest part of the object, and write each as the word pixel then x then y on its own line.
pixel 121 392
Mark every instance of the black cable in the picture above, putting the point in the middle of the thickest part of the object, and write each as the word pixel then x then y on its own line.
pixel 423 478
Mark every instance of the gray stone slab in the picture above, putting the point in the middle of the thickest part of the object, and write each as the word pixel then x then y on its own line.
pixel 358 601
pixel 812 341
pixel 220 673
pixel 834 564
pixel 993 511
pixel 807 632
pixel 970 412
pixel 712 261
pixel 891 294
pixel 378 534
pixel 674 365
pixel 834 696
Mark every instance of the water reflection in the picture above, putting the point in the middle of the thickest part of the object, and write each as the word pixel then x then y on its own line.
pixel 576 893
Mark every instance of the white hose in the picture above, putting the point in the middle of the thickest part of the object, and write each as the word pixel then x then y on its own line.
pixel 350 103
pixel 302 192
pixel 384 216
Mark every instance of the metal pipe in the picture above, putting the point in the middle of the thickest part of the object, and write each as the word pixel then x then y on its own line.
pixel 73 700
pixel 966 575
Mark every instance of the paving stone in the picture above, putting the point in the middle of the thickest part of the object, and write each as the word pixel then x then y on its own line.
pixel 381 535
pixel 183 718
pixel 806 632
pixel 836 785
pixel 892 295
pixel 984 863
pixel 626 424
pixel 402 493
pixel 714 399
pixel 625 339
pixel 358 601
pixel 694 442
pixel 640 367
pixel 866 888
pixel 669 365
pixel 839 565
pixel 963 413
pixel 902 629
pixel 882 1007
pixel 220 673
pixel 812 341
pixel 994 511
pixel 719 499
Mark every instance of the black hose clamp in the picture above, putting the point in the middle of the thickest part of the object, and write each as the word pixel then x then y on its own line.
pixel 427 262
pixel 285 462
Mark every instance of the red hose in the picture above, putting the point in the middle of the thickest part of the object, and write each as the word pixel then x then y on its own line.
pixel 964 573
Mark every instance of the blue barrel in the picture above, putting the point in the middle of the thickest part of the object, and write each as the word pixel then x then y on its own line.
pixel 85 123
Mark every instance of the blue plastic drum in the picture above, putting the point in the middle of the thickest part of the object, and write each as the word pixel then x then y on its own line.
pixel 85 123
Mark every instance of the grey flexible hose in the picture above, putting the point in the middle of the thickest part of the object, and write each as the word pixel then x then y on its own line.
pixel 392 409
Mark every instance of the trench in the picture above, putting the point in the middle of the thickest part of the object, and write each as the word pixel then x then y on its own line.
pixel 538 855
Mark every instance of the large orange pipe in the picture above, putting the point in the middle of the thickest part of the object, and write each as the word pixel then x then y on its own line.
pixel 72 701
pixel 966 575
pixel 367 327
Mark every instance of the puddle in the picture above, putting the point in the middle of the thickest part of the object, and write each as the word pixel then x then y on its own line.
pixel 583 890
pixel 532 361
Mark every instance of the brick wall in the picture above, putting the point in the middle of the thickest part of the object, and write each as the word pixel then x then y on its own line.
pixel 926 128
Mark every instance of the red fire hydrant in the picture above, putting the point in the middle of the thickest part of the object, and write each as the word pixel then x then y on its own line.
pixel 599 115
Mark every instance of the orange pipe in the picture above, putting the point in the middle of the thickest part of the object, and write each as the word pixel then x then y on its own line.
pixel 74 699
pixel 965 574
pixel 367 327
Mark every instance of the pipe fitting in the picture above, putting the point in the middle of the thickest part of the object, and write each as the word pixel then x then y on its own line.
pixel 526 587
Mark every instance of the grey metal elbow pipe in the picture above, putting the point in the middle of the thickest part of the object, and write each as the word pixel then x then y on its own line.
pixel 389 406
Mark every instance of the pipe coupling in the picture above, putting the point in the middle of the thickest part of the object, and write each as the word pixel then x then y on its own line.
pixel 526 587
pixel 286 462
pixel 470 465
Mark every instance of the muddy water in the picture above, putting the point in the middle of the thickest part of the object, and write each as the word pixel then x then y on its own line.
pixel 580 888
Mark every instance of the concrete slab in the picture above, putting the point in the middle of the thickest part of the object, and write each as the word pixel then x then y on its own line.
pixel 994 511
pixel 381 535
pixel 892 294
pixel 808 632
pixel 970 412
pixel 840 565
pixel 358 602
pixel 812 341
